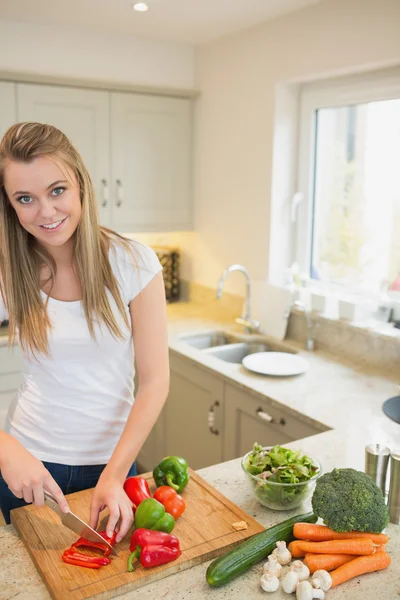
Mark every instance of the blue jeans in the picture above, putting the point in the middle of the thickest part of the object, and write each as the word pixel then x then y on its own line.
pixel 70 480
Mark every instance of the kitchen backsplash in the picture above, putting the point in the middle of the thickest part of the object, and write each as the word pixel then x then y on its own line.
pixel 364 347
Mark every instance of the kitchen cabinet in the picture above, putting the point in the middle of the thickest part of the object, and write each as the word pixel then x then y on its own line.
pixel 10 378
pixel 249 419
pixel 208 420
pixel 151 162
pixel 192 414
pixel 137 149
pixel 8 112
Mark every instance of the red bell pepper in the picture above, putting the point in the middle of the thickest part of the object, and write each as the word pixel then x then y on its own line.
pixel 137 489
pixel 72 556
pixel 173 503
pixel 97 545
pixel 153 547
pixel 154 556
pixel 150 537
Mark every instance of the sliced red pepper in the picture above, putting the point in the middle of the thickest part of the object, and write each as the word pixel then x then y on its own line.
pixel 150 537
pixel 97 545
pixel 173 503
pixel 137 489
pixel 73 557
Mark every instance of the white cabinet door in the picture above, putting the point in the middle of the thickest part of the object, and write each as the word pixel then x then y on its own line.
pixel 8 106
pixel 151 162
pixel 83 115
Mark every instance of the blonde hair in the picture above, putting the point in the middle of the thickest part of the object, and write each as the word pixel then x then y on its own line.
pixel 21 258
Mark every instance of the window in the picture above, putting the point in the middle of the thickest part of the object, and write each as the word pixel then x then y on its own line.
pixel 348 223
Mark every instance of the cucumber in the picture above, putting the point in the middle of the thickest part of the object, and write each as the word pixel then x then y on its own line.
pixel 225 568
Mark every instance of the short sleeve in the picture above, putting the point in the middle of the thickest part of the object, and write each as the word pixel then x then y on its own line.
pixel 136 269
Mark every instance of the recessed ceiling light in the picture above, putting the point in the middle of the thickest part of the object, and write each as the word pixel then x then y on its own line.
pixel 140 6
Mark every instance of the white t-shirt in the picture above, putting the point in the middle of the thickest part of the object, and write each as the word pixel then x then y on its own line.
pixel 72 407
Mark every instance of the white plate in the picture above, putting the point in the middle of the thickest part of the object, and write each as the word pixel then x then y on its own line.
pixel 281 364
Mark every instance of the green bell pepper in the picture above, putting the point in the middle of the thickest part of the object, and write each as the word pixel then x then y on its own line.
pixel 172 471
pixel 150 514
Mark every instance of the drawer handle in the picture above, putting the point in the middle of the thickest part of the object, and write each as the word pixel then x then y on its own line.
pixel 266 417
pixel 105 193
pixel 120 192
pixel 211 418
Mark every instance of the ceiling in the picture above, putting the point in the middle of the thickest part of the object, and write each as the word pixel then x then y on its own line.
pixel 191 21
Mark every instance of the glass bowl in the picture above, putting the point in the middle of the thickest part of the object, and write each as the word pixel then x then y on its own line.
pixel 281 496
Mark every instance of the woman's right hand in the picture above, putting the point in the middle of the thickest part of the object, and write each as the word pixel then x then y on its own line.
pixel 25 475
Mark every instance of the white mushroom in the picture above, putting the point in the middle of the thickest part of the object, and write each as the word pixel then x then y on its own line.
pixel 272 566
pixel 305 591
pixel 302 571
pixel 290 582
pixel 269 582
pixel 282 554
pixel 321 580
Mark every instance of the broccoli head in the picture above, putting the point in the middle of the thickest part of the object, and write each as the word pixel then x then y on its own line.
pixel 348 500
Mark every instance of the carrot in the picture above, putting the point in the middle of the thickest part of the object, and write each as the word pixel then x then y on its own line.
pixel 358 547
pixel 359 566
pixel 327 562
pixel 381 548
pixel 295 550
pixel 321 533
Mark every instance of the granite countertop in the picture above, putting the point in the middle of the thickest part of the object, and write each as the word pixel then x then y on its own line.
pixel 334 393
pixel 19 579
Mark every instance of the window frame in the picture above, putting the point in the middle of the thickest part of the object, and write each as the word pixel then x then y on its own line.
pixel 350 90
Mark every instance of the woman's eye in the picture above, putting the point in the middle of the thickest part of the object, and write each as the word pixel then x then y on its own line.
pixel 25 199
pixel 58 191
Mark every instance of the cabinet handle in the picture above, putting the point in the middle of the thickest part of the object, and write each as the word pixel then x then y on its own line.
pixel 105 193
pixel 266 417
pixel 211 418
pixel 120 192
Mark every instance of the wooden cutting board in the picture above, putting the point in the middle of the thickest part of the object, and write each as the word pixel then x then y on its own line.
pixel 205 530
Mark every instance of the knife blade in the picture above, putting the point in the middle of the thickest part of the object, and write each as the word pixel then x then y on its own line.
pixel 75 524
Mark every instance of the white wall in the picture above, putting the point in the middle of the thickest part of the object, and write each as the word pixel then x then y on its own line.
pixel 240 78
pixel 74 53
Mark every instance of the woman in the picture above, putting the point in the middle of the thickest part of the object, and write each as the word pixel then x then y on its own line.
pixel 86 303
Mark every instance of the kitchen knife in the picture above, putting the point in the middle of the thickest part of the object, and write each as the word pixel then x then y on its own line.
pixel 76 524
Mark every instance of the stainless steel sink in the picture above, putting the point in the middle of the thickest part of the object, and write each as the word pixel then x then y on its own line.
pixel 235 353
pixel 208 339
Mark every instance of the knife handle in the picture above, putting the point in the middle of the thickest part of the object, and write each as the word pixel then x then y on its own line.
pixel 51 502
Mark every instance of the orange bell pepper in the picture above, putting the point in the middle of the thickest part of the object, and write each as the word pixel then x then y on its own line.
pixel 173 503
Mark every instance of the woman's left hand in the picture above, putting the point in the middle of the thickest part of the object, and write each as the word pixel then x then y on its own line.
pixel 109 493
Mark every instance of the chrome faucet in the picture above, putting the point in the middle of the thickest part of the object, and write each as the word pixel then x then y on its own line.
pixel 246 320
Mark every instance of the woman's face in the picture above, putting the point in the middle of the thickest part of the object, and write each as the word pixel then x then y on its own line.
pixel 45 198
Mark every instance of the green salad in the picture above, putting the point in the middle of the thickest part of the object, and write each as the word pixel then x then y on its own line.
pixel 280 465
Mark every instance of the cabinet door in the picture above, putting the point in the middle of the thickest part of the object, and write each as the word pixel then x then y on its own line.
pixel 195 396
pixel 83 115
pixel 8 104
pixel 249 419
pixel 151 162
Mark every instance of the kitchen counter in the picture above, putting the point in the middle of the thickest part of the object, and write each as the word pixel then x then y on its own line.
pixel 20 580
pixel 334 393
